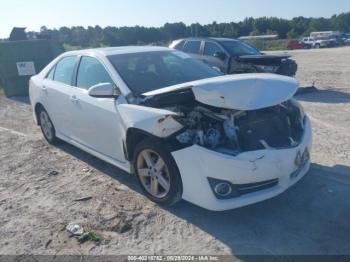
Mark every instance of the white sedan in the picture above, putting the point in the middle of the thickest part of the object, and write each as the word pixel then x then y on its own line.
pixel 186 131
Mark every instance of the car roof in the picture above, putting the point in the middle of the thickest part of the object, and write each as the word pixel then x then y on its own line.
pixel 216 39
pixel 110 51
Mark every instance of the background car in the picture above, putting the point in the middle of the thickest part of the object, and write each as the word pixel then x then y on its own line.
pixel 234 56
pixel 295 44
pixel 318 43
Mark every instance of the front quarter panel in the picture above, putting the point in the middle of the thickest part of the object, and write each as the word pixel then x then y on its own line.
pixel 157 122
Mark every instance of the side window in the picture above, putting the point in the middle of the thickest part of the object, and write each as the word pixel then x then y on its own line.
pixel 64 70
pixel 91 73
pixel 192 47
pixel 211 48
pixel 51 74
pixel 180 46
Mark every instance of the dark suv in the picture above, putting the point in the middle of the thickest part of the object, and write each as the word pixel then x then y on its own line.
pixel 234 56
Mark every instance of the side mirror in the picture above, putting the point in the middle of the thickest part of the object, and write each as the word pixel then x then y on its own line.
pixel 220 55
pixel 104 90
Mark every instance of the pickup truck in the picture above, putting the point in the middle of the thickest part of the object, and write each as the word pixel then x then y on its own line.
pixel 316 43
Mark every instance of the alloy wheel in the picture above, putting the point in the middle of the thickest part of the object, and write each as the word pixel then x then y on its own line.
pixel 46 125
pixel 153 173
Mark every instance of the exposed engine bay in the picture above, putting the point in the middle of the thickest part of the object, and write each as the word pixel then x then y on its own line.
pixel 233 131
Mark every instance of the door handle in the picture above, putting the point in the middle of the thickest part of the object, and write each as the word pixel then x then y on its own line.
pixel 74 99
pixel 44 88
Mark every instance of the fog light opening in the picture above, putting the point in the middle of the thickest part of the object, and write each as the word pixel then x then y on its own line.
pixel 223 189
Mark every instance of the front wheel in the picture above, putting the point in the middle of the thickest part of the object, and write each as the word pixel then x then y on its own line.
pixel 157 173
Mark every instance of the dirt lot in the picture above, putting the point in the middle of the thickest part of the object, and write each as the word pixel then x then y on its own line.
pixel 39 183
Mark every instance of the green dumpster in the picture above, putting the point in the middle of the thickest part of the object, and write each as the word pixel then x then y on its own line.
pixel 19 60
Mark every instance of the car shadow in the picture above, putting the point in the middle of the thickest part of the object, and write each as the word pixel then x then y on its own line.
pixel 21 99
pixel 330 96
pixel 311 218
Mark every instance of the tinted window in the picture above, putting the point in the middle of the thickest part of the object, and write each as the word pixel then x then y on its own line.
pixel 237 48
pixel 180 45
pixel 144 72
pixel 51 74
pixel 211 48
pixel 64 70
pixel 192 47
pixel 91 72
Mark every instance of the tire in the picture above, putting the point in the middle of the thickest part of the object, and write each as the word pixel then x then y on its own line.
pixel 318 46
pixel 47 127
pixel 150 170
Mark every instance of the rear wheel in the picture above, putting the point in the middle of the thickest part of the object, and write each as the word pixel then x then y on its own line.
pixel 47 127
pixel 157 173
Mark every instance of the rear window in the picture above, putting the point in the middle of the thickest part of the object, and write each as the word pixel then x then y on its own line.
pixel 192 47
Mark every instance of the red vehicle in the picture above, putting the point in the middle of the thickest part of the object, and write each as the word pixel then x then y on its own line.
pixel 295 44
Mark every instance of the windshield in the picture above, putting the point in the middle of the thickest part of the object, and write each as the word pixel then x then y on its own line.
pixel 148 71
pixel 238 48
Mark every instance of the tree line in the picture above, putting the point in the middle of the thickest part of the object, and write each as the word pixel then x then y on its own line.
pixel 137 35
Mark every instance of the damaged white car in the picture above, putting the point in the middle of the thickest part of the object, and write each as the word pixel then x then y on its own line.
pixel 184 129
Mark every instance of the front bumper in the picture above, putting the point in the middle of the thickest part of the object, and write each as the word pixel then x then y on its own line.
pixel 196 164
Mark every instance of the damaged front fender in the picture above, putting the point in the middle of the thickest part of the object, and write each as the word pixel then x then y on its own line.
pixel 157 122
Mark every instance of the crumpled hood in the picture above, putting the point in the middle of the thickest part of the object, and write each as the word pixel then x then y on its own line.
pixel 239 92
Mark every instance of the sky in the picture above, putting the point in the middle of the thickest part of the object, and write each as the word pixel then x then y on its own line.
pixel 57 13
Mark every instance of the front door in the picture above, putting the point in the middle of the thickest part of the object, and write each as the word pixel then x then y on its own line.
pixel 210 49
pixel 98 125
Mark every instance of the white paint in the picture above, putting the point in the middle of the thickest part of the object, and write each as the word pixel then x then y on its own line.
pixel 26 68
pixel 157 122
pixel 241 92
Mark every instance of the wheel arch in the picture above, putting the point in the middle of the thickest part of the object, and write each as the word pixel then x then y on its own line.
pixel 37 108
pixel 134 136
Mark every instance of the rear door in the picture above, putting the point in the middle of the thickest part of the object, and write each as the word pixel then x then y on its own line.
pixel 98 123
pixel 57 89
pixel 210 49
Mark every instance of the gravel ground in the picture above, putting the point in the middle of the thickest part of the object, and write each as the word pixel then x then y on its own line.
pixel 39 184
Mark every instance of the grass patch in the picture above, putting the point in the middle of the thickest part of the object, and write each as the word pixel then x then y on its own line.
pixel 89 236
pixel 2 92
